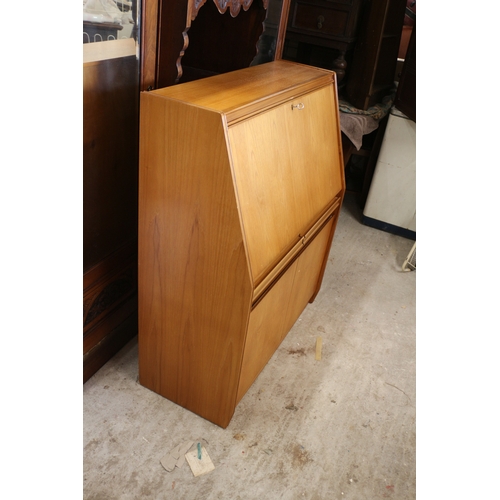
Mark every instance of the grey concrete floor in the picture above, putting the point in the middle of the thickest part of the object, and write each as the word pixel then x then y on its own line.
pixel 342 427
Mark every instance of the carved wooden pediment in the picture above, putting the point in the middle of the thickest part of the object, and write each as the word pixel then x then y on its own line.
pixel 222 6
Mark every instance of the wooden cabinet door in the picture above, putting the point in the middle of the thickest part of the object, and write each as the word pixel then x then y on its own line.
pixel 307 274
pixel 282 190
pixel 273 317
pixel 266 330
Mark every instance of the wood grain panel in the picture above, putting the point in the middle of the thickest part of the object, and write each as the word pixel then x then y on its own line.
pixel 194 285
pixel 274 274
pixel 276 313
pixel 110 158
pixel 278 209
pixel 110 154
pixel 266 330
pixel 307 274
pixel 149 42
pixel 251 89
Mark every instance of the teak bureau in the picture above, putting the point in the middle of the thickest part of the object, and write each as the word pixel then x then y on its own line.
pixel 240 186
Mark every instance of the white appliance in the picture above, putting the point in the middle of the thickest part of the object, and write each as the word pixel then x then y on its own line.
pixel 391 202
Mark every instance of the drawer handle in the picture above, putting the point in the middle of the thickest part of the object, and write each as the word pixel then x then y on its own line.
pixel 300 105
pixel 321 20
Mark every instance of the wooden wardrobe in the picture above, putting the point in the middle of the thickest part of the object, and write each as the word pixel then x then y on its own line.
pixel 110 162
pixel 240 186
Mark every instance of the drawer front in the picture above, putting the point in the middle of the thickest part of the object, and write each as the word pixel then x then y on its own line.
pixel 321 19
pixel 277 312
pixel 284 188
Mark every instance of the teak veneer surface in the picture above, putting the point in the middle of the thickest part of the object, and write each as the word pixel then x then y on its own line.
pixel 236 219
pixel 273 223
pixel 281 309
pixel 239 93
pixel 193 274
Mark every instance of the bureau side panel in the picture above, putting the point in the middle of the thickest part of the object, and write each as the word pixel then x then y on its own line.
pixel 194 285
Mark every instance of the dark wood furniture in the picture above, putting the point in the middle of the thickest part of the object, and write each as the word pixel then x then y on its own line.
pixel 406 96
pixel 375 56
pixel 240 187
pixel 360 165
pixel 110 159
pixel 222 38
pixel 323 23
pixel 270 45
pixel 184 40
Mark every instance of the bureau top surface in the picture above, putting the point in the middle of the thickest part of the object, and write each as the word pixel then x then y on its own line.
pixel 234 92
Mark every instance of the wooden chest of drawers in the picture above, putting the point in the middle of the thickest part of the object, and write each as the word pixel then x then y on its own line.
pixel 240 186
pixel 334 20
pixel 324 23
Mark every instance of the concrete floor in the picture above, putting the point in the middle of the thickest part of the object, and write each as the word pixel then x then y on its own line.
pixel 339 428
